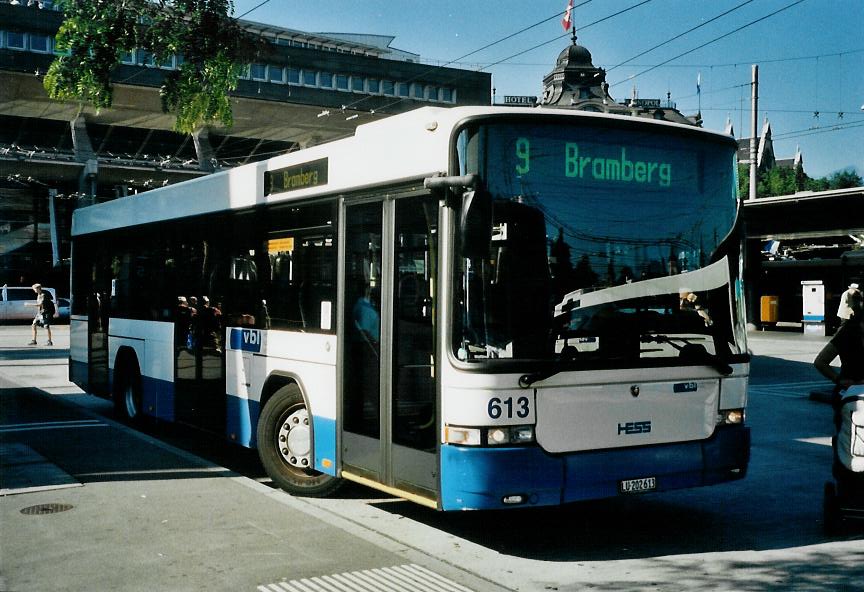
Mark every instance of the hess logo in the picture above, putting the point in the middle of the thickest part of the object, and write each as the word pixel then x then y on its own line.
pixel 634 427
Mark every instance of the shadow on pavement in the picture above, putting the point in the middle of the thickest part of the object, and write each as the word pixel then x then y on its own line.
pixel 88 448
pixel 32 353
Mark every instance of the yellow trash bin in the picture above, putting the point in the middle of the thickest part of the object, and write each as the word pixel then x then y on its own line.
pixel 769 309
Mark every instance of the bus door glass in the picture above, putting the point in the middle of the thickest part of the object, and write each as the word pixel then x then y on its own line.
pixel 388 378
pixel 198 288
pixel 98 311
pixel 361 374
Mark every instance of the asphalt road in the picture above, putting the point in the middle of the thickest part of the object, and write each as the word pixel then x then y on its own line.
pixel 172 510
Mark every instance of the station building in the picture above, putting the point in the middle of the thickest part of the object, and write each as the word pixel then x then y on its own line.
pixel 55 156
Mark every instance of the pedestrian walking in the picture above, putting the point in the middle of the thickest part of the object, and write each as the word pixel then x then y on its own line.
pixel 45 310
pixel 844 311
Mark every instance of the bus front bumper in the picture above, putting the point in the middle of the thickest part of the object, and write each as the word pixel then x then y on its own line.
pixel 483 478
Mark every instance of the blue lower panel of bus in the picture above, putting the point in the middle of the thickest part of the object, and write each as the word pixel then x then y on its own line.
pixel 241 417
pixel 480 478
pixel 157 397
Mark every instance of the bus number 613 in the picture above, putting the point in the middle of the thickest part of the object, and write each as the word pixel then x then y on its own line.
pixel 496 407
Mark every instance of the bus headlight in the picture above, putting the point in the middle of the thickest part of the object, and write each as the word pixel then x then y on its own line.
pixel 496 436
pixel 510 435
pixel 731 417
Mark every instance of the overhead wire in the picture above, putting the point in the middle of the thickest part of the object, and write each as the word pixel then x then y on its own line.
pixel 817 130
pixel 736 30
pixel 485 47
pixel 253 9
pixel 720 65
pixel 556 38
pixel 680 35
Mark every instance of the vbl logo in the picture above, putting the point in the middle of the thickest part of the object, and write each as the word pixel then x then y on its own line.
pixel 634 427
pixel 246 340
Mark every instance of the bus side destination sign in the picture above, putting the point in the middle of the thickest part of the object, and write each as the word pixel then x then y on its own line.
pixel 293 178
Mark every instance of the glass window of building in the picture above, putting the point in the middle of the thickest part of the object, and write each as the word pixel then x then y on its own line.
pixel 341 82
pixel 358 83
pixel 373 85
pixel 402 89
pixel 325 79
pixel 145 58
pixel 15 40
pixel 258 71
pixel 40 43
pixel 447 95
pixel 276 74
pixel 432 92
pixel 293 76
pixel 127 57
pixel 388 88
pixel 310 78
pixel 417 91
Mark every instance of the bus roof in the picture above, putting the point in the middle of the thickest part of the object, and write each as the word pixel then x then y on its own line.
pixel 406 146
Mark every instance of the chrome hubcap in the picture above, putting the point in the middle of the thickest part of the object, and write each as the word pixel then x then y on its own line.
pixel 294 439
pixel 131 407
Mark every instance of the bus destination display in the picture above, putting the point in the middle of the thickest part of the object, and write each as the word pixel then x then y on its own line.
pixel 595 164
pixel 294 178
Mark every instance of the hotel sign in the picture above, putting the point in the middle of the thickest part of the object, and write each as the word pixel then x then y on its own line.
pixel 520 100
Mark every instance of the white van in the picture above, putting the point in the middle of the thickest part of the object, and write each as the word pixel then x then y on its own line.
pixel 19 303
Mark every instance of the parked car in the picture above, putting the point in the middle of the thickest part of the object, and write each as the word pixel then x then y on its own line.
pixel 63 310
pixel 17 303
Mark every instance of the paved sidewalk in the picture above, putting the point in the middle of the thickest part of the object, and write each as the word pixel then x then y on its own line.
pixel 89 504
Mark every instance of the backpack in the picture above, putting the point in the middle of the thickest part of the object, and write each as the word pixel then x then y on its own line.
pixel 48 308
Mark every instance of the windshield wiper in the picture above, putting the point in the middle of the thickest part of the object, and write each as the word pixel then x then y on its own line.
pixel 568 354
pixel 692 351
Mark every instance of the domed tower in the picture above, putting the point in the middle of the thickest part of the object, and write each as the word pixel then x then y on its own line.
pixel 575 83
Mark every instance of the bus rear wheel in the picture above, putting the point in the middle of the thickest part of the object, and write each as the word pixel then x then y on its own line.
pixel 285 445
pixel 127 396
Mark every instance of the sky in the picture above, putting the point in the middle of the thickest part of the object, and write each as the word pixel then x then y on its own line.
pixel 810 55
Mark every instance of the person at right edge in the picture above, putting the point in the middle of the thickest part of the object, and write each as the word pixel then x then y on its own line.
pixel 848 343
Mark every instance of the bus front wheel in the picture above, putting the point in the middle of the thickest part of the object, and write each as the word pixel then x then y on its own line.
pixel 285 445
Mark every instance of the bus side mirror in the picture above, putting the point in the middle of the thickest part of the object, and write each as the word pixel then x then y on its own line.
pixel 475 223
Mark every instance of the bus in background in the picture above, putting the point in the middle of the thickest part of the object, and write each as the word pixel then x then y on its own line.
pixel 470 308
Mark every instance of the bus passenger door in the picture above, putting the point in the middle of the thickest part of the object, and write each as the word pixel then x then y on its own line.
pixel 97 342
pixel 99 293
pixel 389 413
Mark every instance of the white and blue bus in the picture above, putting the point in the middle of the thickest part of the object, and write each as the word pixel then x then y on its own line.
pixel 470 308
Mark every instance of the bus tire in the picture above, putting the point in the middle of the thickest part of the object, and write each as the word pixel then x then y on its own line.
pixel 285 445
pixel 127 395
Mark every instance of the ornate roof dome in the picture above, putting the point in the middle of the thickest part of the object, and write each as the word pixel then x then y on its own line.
pixel 575 56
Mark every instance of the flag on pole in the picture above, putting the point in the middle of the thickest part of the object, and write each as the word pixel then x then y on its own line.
pixel 566 22
pixel 699 82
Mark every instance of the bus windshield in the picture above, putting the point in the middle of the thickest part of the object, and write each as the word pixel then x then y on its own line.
pixel 608 246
